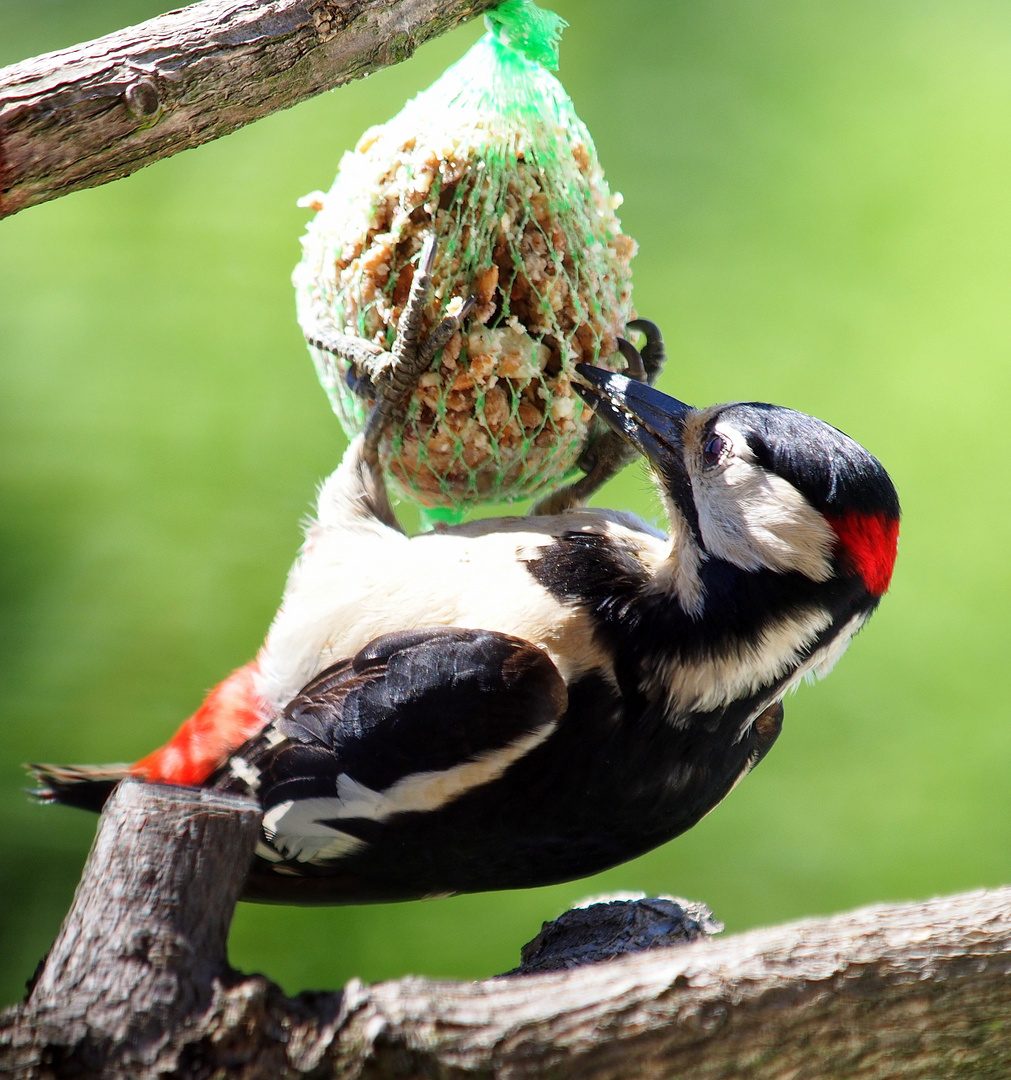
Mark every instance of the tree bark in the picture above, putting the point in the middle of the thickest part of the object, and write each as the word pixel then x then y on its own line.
pixel 145 939
pixel 137 985
pixel 99 111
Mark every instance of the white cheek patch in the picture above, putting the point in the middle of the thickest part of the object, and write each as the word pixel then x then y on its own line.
pixel 744 667
pixel 757 520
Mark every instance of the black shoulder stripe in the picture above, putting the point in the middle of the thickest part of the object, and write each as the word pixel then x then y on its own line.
pixel 588 568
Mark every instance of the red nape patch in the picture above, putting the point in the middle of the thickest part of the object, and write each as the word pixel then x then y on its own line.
pixel 231 713
pixel 869 543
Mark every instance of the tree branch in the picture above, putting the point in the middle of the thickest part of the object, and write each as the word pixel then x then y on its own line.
pixel 144 941
pixel 96 112
pixel 137 985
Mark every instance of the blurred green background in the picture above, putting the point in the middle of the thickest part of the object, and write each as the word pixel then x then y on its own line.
pixel 822 194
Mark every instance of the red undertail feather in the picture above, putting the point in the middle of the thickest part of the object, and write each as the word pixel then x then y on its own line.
pixel 231 713
pixel 870 543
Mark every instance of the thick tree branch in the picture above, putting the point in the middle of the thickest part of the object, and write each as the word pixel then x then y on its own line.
pixel 144 941
pixel 99 111
pixel 137 986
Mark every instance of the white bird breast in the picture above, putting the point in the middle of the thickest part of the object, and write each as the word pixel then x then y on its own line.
pixel 351 586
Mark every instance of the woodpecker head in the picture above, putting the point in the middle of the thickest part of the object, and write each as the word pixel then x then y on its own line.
pixel 757 486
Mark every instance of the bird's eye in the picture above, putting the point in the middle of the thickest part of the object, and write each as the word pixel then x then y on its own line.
pixel 714 450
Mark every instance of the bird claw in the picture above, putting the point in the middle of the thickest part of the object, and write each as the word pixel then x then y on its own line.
pixel 387 377
pixel 412 354
pixel 360 354
pixel 606 453
pixel 652 354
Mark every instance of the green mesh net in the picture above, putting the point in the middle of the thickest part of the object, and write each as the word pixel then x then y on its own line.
pixel 493 159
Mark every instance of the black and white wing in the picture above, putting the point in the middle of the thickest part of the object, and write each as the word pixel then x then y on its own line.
pixel 365 778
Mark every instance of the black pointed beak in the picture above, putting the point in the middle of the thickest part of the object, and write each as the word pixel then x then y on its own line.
pixel 652 422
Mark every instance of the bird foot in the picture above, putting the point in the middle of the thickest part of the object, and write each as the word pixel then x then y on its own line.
pixel 606 453
pixel 389 377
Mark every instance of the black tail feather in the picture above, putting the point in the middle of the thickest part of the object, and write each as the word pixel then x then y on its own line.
pixel 87 787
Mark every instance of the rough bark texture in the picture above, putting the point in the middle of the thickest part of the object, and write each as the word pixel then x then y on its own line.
pixel 144 941
pixel 99 111
pixel 137 985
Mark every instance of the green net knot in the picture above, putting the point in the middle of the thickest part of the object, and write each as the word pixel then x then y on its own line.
pixel 533 31
pixel 433 516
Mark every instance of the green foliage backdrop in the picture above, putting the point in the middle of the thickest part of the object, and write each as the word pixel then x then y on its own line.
pixel 822 194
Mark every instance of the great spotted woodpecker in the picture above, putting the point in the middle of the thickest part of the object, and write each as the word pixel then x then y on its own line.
pixel 528 700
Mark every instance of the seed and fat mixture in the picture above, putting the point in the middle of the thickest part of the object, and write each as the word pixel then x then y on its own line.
pixel 524 221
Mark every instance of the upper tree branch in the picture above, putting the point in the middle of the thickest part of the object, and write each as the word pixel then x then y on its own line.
pixel 96 112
